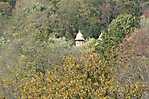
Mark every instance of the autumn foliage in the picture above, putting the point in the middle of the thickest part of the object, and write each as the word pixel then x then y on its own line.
pixel 84 78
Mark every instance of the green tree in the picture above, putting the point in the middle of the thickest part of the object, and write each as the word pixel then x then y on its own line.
pixel 117 30
pixel 132 7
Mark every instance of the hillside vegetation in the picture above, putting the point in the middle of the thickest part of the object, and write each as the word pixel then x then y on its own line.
pixel 39 59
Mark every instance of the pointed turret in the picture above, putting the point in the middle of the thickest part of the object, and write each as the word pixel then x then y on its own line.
pixel 79 39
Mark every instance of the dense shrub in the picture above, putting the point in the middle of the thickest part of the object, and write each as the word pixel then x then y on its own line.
pixel 90 45
pixel 3 41
pixel 117 30
pixel 23 57
pixel 78 78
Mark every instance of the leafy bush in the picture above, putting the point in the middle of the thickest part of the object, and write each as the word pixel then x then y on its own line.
pixel 132 7
pixel 90 45
pixel 78 78
pixel 37 7
pixel 2 41
pixel 23 57
pixel 117 30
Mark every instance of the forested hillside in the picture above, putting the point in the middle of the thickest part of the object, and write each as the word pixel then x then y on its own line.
pixel 39 58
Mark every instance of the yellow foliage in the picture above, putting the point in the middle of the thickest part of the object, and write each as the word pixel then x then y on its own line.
pixel 84 78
